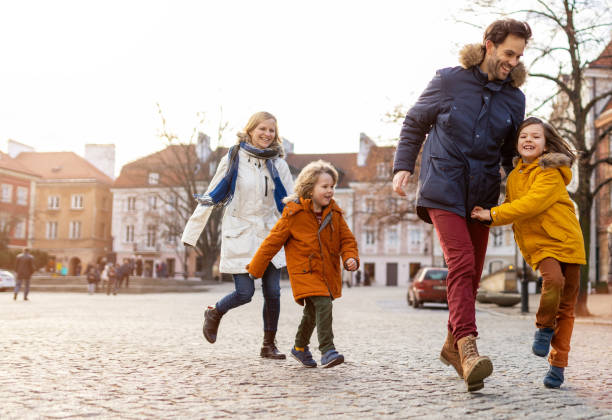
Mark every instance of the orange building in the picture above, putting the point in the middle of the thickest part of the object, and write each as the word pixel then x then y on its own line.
pixel 72 210
pixel 17 184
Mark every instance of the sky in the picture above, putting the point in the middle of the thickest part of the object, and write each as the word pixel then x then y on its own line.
pixel 77 72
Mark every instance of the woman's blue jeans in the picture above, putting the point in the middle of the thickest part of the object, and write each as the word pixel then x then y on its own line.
pixel 245 289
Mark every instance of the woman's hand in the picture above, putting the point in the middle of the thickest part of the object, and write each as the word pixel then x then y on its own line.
pixel 481 214
pixel 351 264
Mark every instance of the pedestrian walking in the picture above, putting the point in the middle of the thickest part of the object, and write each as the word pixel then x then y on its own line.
pixel 250 183
pixel 24 268
pixel 358 278
pixel 548 234
pixel 315 237
pixel 111 285
pixel 93 275
pixel 471 114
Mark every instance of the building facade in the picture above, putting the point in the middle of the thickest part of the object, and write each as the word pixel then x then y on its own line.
pixel 72 210
pixel 17 197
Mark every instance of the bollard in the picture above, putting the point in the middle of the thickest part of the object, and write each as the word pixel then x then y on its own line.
pixel 525 290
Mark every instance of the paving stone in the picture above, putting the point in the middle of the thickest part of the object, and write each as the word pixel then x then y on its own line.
pixel 143 356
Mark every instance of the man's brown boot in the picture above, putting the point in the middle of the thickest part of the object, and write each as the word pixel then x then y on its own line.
pixel 475 367
pixel 449 355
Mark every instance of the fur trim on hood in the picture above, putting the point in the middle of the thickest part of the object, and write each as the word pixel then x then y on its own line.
pixel 549 160
pixel 554 160
pixel 473 54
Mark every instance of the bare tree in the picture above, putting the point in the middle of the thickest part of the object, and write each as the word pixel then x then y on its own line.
pixel 569 36
pixel 186 168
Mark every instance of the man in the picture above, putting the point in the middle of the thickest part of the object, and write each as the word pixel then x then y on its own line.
pixel 24 267
pixel 471 114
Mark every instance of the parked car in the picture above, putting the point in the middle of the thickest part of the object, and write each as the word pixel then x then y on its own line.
pixel 428 285
pixel 7 280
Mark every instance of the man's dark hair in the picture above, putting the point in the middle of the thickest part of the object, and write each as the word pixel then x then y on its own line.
pixel 500 29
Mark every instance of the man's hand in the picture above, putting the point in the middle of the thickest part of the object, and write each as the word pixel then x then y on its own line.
pixel 400 180
pixel 481 214
pixel 351 264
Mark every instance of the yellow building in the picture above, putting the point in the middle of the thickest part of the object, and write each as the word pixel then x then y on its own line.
pixel 72 210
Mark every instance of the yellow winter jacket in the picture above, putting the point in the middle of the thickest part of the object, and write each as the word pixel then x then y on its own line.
pixel 537 202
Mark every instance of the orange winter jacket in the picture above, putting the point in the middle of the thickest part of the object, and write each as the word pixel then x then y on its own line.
pixel 313 256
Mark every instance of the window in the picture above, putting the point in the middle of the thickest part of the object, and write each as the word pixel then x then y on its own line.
pixel 152 202
pixel 392 237
pixel 53 202
pixel 415 237
pixel 153 178
pixel 151 235
pixel 51 230
pixel 20 229
pixel 131 203
pixel 22 196
pixel 77 201
pixel 7 193
pixel 382 170
pixel 392 205
pixel 75 230
pixel 172 235
pixel 370 237
pixel 370 205
pixel 498 236
pixel 129 233
pixel 172 202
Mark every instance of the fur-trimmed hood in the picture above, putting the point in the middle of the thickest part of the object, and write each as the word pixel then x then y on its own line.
pixel 551 161
pixel 472 55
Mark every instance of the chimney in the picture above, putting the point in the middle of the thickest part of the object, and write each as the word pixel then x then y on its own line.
pixel 14 148
pixel 365 144
pixel 203 147
pixel 102 156
pixel 288 146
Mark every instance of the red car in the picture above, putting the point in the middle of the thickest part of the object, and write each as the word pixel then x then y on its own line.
pixel 428 285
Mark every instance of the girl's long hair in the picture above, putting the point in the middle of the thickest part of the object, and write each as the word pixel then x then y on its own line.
pixel 554 142
pixel 252 124
pixel 306 180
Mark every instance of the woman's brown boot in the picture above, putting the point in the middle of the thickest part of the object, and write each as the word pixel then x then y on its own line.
pixel 212 317
pixel 449 355
pixel 269 350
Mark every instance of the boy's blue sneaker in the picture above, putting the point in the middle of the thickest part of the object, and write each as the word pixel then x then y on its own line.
pixel 331 358
pixel 541 341
pixel 304 357
pixel 554 377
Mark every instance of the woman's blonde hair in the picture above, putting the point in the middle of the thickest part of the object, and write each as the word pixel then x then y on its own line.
pixel 256 119
pixel 308 177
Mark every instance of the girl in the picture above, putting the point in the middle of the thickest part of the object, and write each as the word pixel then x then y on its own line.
pixel 547 232
pixel 315 237
pixel 250 183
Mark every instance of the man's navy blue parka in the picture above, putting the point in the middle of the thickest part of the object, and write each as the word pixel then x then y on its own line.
pixel 471 124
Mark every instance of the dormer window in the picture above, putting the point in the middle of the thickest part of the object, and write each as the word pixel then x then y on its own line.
pixel 153 178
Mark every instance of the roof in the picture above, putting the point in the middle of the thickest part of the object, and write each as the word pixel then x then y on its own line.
pixel 605 58
pixel 61 165
pixel 346 164
pixel 7 162
pixel 170 163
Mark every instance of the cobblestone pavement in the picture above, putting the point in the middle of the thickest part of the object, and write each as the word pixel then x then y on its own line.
pixel 143 356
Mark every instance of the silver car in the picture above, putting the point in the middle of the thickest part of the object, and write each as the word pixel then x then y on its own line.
pixel 7 280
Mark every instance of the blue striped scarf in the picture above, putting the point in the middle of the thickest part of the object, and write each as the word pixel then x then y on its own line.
pixel 223 192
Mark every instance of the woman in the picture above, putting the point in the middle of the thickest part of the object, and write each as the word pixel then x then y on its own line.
pixel 251 182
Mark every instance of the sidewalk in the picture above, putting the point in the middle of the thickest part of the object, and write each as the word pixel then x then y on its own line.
pixel 600 307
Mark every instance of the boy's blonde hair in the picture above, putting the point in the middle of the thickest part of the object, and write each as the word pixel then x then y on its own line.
pixel 252 124
pixel 308 177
